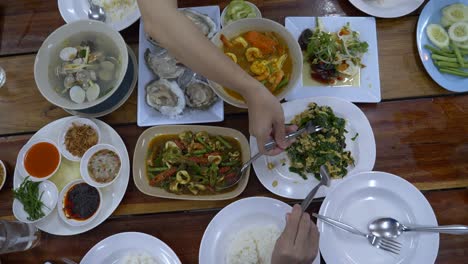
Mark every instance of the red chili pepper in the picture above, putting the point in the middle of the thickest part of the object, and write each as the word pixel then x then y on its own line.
pixel 179 144
pixel 216 153
pixel 230 175
pixel 162 176
pixel 223 170
pixel 199 160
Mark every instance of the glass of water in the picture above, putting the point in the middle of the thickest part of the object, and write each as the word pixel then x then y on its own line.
pixel 17 236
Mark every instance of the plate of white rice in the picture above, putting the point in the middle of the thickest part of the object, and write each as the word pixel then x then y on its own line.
pixel 130 248
pixel 245 232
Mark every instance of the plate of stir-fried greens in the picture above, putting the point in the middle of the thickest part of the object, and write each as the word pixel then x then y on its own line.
pixel 190 162
pixel 345 145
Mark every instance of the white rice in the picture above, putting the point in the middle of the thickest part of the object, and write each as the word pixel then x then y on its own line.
pixel 116 10
pixel 253 245
pixel 139 258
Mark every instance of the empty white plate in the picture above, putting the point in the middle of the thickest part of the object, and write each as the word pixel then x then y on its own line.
pixel 387 8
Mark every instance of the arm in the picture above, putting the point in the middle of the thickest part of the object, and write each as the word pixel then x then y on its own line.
pixel 183 39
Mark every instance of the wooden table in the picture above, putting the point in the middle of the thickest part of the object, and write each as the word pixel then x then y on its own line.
pixel 421 131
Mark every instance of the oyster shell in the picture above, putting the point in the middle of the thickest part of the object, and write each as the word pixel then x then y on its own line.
pixel 163 65
pixel 203 22
pixel 166 97
pixel 199 94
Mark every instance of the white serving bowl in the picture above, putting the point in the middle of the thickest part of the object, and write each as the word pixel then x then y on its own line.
pixel 4 176
pixel 255 8
pixel 22 156
pixel 263 25
pixel 85 160
pixel 49 199
pixel 68 125
pixel 51 47
pixel 60 204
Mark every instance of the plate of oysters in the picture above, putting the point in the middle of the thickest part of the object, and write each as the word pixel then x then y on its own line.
pixel 168 91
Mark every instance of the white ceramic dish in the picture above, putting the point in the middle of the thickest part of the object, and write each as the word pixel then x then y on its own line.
pixel 369 195
pixel 60 206
pixel 369 86
pixel 291 185
pixel 66 127
pixel 50 48
pixel 113 249
pixel 263 25
pixel 70 171
pixel 2 182
pixel 148 116
pixel 387 8
pixel 22 155
pixel 49 199
pixel 84 165
pixel 255 8
pixel 242 214
pixel 73 10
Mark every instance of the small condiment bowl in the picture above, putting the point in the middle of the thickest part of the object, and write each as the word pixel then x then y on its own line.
pixel 2 181
pixel 61 203
pixel 255 8
pixel 66 127
pixel 49 198
pixel 85 160
pixel 22 155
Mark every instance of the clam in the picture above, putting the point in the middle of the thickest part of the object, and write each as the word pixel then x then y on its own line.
pixel 203 22
pixel 92 93
pixel 69 81
pixel 163 65
pixel 68 54
pixel 77 94
pixel 83 76
pixel 199 94
pixel 166 97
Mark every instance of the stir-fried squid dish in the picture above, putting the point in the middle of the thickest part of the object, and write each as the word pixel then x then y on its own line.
pixel 193 163
pixel 264 55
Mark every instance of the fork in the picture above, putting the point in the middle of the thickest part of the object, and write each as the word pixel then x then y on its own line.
pixel 389 245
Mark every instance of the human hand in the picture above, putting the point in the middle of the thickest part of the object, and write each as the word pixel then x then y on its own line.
pixel 298 244
pixel 266 120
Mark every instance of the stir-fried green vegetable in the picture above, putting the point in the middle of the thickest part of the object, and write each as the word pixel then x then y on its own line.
pixel 28 194
pixel 326 147
pixel 193 163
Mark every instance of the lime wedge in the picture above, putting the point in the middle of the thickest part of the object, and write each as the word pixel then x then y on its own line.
pixel 438 36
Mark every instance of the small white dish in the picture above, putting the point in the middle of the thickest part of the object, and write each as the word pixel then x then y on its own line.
pixel 85 160
pixel 60 204
pixel 255 8
pixel 22 155
pixel 78 10
pixel 67 126
pixel 2 181
pixel 49 199
pixel 364 197
pixel 243 214
pixel 114 249
pixel 387 8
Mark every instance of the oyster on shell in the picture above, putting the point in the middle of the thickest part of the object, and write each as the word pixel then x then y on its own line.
pixel 166 97
pixel 199 95
pixel 163 65
pixel 203 22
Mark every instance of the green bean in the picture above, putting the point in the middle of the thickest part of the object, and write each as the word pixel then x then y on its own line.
pixel 446 64
pixel 224 142
pixel 230 163
pixel 459 56
pixel 283 83
pixel 443 58
pixel 157 169
pixel 204 144
pixel 199 152
pixel 439 52
pixel 454 72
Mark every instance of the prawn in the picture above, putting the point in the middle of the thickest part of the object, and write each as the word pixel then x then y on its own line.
pixel 241 41
pixel 232 56
pixel 261 69
pixel 276 78
pixel 252 53
pixel 225 41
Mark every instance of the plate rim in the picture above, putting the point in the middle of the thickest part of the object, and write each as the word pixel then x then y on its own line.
pixel 360 7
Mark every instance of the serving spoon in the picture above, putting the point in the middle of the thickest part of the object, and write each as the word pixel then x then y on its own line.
pixel 96 12
pixel 391 228
pixel 308 128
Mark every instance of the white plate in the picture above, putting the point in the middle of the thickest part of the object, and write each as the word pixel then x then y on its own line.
pixel 365 197
pixel 242 214
pixel 69 171
pixel 387 8
pixel 369 89
pixel 72 10
pixel 148 116
pixel 114 249
pixel 291 185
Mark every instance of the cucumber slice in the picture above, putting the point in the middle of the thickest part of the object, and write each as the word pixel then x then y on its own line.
pixel 463 45
pixel 446 22
pixel 458 31
pixel 456 12
pixel 438 36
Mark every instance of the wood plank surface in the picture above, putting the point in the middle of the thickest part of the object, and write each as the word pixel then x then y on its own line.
pixel 424 141
pixel 183 231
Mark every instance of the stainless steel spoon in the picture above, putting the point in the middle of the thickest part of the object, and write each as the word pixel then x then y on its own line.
pixel 325 180
pixel 96 12
pixel 391 228
pixel 308 128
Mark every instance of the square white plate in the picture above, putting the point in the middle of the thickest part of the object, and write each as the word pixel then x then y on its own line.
pixel 148 116
pixel 369 89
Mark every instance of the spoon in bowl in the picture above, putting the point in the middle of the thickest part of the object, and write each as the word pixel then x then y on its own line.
pixel 308 128
pixel 391 228
pixel 96 12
